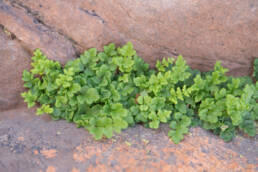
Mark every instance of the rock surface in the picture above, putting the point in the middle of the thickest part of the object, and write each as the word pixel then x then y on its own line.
pixel 31 143
pixel 13 60
pixel 33 34
pixel 202 31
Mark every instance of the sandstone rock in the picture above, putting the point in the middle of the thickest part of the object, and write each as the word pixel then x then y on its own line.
pixel 13 59
pixel 33 33
pixel 203 31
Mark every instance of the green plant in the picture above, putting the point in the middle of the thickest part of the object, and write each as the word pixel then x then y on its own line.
pixel 105 92
pixel 255 69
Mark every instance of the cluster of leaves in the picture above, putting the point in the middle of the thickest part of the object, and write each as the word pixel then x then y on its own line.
pixel 94 91
pixel 105 92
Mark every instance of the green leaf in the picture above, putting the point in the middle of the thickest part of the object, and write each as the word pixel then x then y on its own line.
pixel 27 76
pixel 175 136
pixel 97 132
pixel 179 128
pixel 255 69
pixel 29 98
pixel 234 109
pixel 156 103
pixel 76 65
pixel 154 124
pixel 228 134
pixel 248 125
pixel 181 107
pixel 173 96
pixel 117 110
pixel 108 132
pixel 127 50
pixel 164 115
pixel 209 111
pixel 75 88
pixel 141 81
pixel 110 49
pixel 91 95
pixel 44 109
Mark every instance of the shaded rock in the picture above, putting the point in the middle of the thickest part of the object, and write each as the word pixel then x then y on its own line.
pixel 13 60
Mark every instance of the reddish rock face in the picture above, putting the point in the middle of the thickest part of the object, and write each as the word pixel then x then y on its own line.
pixel 13 60
pixel 203 31
pixel 33 33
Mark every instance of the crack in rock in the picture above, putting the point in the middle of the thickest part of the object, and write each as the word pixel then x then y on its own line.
pixel 37 20
pixel 93 14
pixel 10 35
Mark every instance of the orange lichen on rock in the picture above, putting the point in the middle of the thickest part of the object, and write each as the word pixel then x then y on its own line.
pixel 51 153
pixel 82 154
pixel 75 170
pixel 36 152
pixel 78 157
pixel 195 153
pixel 21 138
pixel 51 169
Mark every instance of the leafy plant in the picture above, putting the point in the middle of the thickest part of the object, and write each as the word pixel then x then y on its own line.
pixel 255 69
pixel 105 92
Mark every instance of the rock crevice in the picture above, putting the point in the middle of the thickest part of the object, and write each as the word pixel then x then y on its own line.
pixel 93 14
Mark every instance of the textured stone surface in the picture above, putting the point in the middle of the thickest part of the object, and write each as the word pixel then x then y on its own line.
pixel 202 30
pixel 33 33
pixel 31 143
pixel 13 60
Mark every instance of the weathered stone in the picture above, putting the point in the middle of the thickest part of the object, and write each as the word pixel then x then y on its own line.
pixel 13 59
pixel 33 33
pixel 202 31
pixel 34 143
